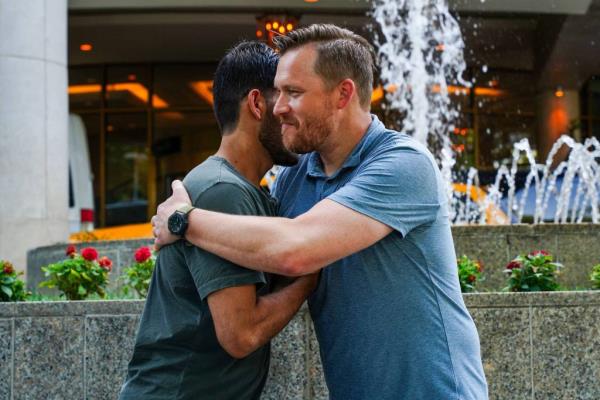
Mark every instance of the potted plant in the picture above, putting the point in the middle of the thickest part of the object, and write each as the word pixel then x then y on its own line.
pixel 80 275
pixel 137 276
pixel 534 272
pixel 11 287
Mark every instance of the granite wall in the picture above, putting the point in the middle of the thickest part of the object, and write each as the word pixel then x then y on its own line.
pixel 534 346
pixel 577 246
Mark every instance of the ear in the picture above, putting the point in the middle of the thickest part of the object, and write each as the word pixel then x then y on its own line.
pixel 256 104
pixel 347 90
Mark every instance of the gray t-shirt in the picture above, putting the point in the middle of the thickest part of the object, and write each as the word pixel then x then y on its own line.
pixel 390 319
pixel 176 354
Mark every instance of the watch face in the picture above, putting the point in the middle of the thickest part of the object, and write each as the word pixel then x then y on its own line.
pixel 176 223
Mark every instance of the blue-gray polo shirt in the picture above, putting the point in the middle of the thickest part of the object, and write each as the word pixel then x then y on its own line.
pixel 390 319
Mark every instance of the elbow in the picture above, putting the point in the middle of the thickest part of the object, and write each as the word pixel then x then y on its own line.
pixel 294 264
pixel 238 344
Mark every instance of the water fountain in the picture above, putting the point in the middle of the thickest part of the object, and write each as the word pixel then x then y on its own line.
pixel 420 50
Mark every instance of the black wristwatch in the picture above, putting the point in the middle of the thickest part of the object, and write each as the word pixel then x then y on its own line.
pixel 178 221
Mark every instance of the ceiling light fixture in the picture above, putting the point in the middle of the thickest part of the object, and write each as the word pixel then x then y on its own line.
pixel 269 26
pixel 85 47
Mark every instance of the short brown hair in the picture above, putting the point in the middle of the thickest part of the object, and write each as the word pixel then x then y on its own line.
pixel 341 54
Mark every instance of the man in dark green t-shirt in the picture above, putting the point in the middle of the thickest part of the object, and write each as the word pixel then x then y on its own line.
pixel 206 325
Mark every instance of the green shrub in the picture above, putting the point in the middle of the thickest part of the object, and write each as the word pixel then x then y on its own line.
pixel 469 273
pixel 80 275
pixel 595 276
pixel 534 272
pixel 11 287
pixel 137 276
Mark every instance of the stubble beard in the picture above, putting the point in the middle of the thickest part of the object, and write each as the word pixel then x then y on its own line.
pixel 311 137
pixel 271 139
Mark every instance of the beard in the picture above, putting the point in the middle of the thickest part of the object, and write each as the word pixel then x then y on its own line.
pixel 317 128
pixel 271 139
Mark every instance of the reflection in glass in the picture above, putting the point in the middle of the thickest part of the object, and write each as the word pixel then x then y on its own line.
pixel 182 140
pixel 85 88
pixel 128 86
pixel 126 169
pixel 184 85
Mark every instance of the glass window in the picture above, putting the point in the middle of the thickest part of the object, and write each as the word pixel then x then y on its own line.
pixel 126 169
pixel 183 85
pixel 182 140
pixel 504 92
pixel 85 88
pixel 127 86
pixel 498 133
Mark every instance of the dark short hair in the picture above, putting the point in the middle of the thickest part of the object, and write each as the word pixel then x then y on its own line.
pixel 341 54
pixel 247 66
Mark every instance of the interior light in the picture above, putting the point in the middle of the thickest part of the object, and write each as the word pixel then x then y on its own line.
pixel 268 26
pixel 275 25
pixel 289 27
pixel 559 92
pixel 281 29
pixel 85 47
pixel 259 33
pixel 311 1
pixel 132 77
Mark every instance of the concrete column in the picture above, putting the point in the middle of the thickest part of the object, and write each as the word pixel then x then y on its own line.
pixel 555 115
pixel 33 126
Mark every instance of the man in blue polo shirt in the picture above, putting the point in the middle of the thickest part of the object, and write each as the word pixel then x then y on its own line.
pixel 367 205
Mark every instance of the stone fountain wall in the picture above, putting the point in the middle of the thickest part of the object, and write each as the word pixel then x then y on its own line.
pixel 534 346
pixel 577 246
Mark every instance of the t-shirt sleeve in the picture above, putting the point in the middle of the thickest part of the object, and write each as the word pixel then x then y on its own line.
pixel 211 272
pixel 398 188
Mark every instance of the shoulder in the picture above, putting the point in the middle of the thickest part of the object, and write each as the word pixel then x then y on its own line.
pixel 399 152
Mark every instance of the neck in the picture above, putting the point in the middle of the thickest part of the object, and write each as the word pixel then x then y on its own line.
pixel 245 154
pixel 343 140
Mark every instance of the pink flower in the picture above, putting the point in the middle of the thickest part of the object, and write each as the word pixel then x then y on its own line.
pixel 540 252
pixel 71 250
pixel 105 263
pixel 89 253
pixel 512 265
pixel 142 254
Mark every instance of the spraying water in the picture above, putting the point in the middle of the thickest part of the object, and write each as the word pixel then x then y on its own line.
pixel 420 50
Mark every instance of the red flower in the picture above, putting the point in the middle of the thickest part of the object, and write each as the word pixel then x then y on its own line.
pixel 71 250
pixel 89 253
pixel 105 263
pixel 540 252
pixel 8 268
pixel 471 278
pixel 142 254
pixel 513 264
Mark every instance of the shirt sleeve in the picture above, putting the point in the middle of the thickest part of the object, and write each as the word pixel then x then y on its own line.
pixel 398 188
pixel 211 272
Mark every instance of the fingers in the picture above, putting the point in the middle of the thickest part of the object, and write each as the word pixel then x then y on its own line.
pixel 177 184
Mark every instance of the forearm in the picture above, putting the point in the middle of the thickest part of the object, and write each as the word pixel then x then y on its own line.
pixel 262 243
pixel 273 311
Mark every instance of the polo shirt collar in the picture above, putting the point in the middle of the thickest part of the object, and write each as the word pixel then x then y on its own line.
pixel 315 166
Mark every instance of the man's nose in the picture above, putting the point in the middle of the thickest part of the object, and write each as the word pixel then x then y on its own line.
pixel 281 106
